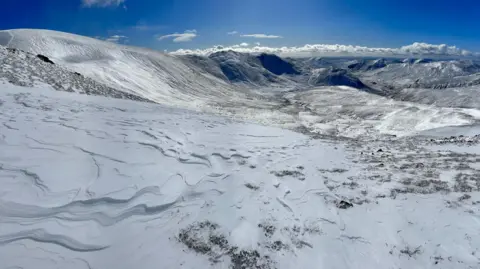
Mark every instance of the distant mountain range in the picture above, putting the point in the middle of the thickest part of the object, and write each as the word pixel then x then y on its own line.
pixel 199 80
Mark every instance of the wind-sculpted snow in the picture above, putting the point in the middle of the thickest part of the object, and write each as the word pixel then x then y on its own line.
pixel 87 210
pixel 41 236
pixel 95 182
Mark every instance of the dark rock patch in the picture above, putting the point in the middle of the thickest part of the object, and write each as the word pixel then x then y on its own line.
pixel 12 50
pixel 45 59
pixel 344 204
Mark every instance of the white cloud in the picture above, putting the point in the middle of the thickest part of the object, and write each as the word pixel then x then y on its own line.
pixel 103 3
pixel 232 33
pixel 233 47
pixel 424 48
pixel 117 39
pixel 416 49
pixel 262 36
pixel 186 36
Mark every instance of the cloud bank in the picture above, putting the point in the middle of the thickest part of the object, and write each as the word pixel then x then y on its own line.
pixel 186 36
pixel 416 49
pixel 102 3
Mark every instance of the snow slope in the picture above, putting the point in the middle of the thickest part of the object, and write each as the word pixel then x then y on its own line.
pixel 424 74
pixel 26 69
pixel 147 73
pixel 466 97
pixel 345 111
pixel 222 83
pixel 94 182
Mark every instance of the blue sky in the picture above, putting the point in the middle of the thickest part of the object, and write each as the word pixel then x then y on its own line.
pixel 204 23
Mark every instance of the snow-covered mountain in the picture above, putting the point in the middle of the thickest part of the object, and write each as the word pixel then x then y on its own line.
pixel 121 157
pixel 146 73
pixel 424 74
pixel 332 76
pixel 244 68
pixel 196 81
pixel 261 88
pixel 26 69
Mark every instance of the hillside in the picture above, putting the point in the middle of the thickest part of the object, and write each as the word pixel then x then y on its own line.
pixel 146 73
pixel 96 182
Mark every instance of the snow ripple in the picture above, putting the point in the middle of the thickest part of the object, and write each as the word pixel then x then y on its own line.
pixel 41 236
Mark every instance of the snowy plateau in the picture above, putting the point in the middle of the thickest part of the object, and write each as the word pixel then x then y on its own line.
pixel 121 157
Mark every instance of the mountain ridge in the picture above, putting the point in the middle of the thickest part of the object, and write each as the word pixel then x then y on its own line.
pixel 184 78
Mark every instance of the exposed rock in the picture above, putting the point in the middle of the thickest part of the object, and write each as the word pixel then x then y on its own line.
pixel 45 59
pixel 344 204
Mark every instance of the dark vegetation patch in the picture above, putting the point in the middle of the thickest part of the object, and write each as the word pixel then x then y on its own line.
pixel 292 173
pixel 268 229
pixel 195 241
pixel 296 232
pixel 422 186
pixel 278 246
pixel 457 140
pixel 251 186
pixel 334 170
pixel 411 252
pixel 467 182
pixel 206 239
pixel 351 184
pixel 464 197
pixel 249 259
